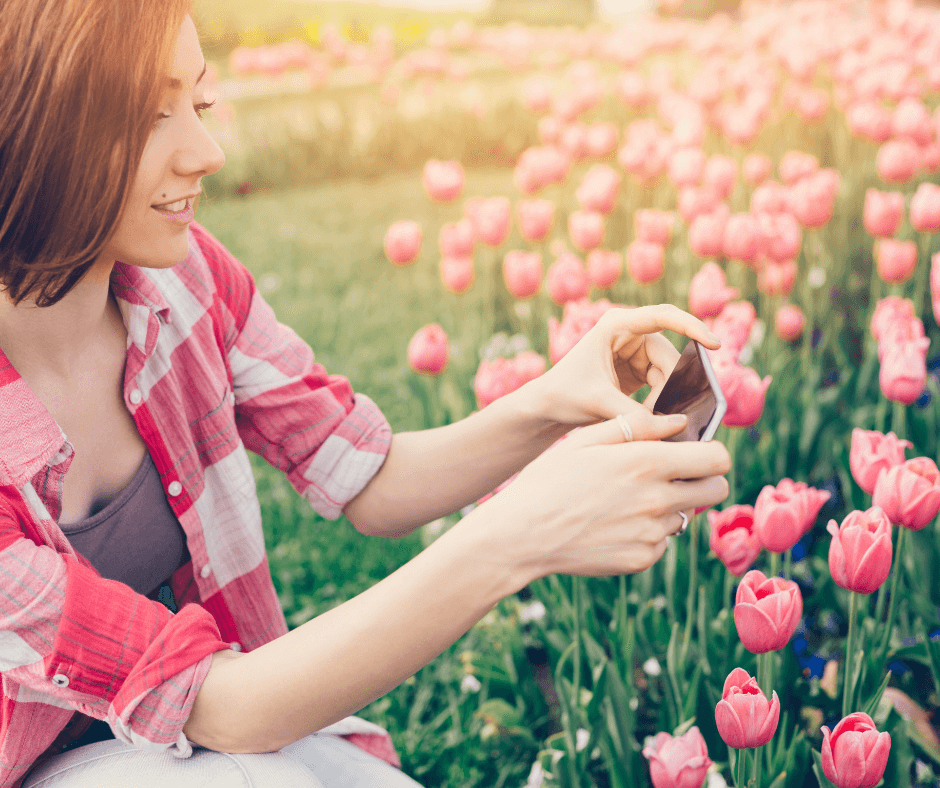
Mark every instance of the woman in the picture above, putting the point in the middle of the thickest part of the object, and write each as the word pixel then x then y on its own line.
pixel 139 362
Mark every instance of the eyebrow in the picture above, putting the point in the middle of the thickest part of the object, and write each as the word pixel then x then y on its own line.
pixel 174 84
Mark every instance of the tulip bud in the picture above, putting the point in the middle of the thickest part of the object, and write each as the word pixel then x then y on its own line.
pixel 646 262
pixel 766 611
pixel 443 180
pixel 925 208
pixel 871 453
pixel 678 761
pixel 685 167
pixel 733 327
pixel 890 310
pixel 883 212
pixel 706 233
pixel 586 229
pixel 653 226
pixel 744 716
pixel 403 242
pixel 492 220
pixel 457 273
pixel 709 291
pixel 604 267
pixel 896 260
pixel 909 493
pixel 720 174
pixel 788 322
pixel 428 350
pixel 535 218
pixel 903 372
pixel 567 279
pixel 782 514
pixel 777 279
pixel 744 392
pixel 732 537
pixel 854 753
pixel 457 239
pixel 897 161
pixel 579 317
pixel 757 168
pixel 598 191
pixel 742 239
pixel 860 550
pixel 522 273
pixel 795 165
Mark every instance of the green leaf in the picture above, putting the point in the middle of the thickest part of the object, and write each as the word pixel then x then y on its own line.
pixel 818 770
pixel 876 698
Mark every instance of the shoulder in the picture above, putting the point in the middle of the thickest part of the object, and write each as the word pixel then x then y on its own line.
pixel 220 276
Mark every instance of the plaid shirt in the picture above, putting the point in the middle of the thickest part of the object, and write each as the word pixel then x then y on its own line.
pixel 209 373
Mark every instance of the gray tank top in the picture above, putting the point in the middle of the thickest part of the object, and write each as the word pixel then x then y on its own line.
pixel 136 538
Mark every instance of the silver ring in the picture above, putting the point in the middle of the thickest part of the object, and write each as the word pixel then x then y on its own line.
pixel 625 427
pixel 684 526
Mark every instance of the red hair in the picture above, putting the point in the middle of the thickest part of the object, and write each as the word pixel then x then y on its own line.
pixel 81 82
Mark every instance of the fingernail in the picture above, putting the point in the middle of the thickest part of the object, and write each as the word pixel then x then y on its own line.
pixel 712 337
pixel 676 419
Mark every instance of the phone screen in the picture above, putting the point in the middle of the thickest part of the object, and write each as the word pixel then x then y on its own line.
pixel 693 390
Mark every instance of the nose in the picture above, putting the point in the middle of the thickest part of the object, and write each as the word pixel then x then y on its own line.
pixel 202 155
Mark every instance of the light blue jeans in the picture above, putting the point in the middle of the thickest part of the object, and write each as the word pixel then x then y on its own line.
pixel 322 761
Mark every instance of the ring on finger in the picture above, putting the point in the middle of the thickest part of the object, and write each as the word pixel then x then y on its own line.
pixel 625 427
pixel 685 524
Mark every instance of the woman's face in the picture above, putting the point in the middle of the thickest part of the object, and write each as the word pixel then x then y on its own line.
pixel 179 152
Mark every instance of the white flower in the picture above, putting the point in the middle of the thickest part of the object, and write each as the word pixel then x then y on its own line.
pixel 652 667
pixel 523 309
pixel 470 683
pixel 488 731
pixel 536 776
pixel 715 778
pixel 269 283
pixel 757 333
pixel 659 602
pixel 816 277
pixel 581 739
pixel 634 703
pixel 534 611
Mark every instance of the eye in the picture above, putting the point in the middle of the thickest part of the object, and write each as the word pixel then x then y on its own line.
pixel 200 108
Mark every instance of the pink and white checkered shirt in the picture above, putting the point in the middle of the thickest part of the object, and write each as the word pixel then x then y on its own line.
pixel 209 373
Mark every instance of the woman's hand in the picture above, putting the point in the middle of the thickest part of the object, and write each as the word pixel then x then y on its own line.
pixel 623 352
pixel 596 505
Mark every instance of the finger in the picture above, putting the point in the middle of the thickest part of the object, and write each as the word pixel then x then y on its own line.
pixel 663 355
pixel 676 524
pixel 688 496
pixel 642 424
pixel 658 317
pixel 690 459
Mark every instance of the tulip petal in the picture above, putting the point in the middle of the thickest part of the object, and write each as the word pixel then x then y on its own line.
pixel 878 760
pixel 849 756
pixel 729 725
pixel 874 567
pixel 769 728
pixel 758 632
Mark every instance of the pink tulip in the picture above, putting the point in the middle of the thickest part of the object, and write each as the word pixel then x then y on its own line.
pixel 766 611
pixel 720 175
pixel 646 262
pixel 403 242
pixel 912 120
pixel 443 180
pixel 631 87
pixel 925 208
pixel 860 550
pixel 537 93
pixel 598 191
pixel 897 161
pixel 788 322
pixel 903 372
pixel 549 129
pixel 744 716
pixel 604 267
pixel 889 311
pixel 870 121
pixel 883 212
pixel 909 493
pixel 522 273
pixel 782 234
pixel 896 260
pixel 694 202
pixel 757 168
pixel 567 279
pixel 601 139
pixel 586 229
pixel 457 239
pixel 770 197
pixel 782 514
pixel 796 165
pixel 428 350
pixel 854 753
pixel 457 273
pixel 535 219
pixel 743 239
pixel 678 761
pixel 686 166
pixel 492 219
pixel 812 199
pixel 871 453
pixel 573 140
pixel 494 379
pixel 777 279
pixel 935 285
pixel 529 365
pixel 733 327
pixel 929 157
pixel 811 104
pixel 732 537
pixel 744 391
pixel 706 233
pixel 709 291
pixel 653 226
pixel 578 318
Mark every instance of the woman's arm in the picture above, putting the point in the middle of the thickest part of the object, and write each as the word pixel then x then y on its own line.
pixel 593 506
pixel 431 473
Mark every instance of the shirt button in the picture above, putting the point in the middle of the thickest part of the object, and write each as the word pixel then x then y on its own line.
pixel 174 489
pixel 235 646
pixel 205 571
pixel 136 397
pixel 60 680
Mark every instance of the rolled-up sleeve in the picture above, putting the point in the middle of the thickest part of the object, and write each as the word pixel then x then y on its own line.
pixel 73 639
pixel 328 440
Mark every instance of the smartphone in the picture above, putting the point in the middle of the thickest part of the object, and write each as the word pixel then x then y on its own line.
pixel 693 389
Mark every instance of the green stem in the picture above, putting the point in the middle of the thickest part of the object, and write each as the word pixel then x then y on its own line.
pixel 734 434
pixel 774 564
pixel 923 272
pixel 739 777
pixel 757 772
pixel 892 607
pixel 729 625
pixel 576 599
pixel 788 564
pixel 898 419
pixel 693 584
pixel 848 688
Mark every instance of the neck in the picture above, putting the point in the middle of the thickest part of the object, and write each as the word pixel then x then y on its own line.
pixel 56 340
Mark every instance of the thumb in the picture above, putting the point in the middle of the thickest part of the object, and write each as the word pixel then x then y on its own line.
pixel 642 424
